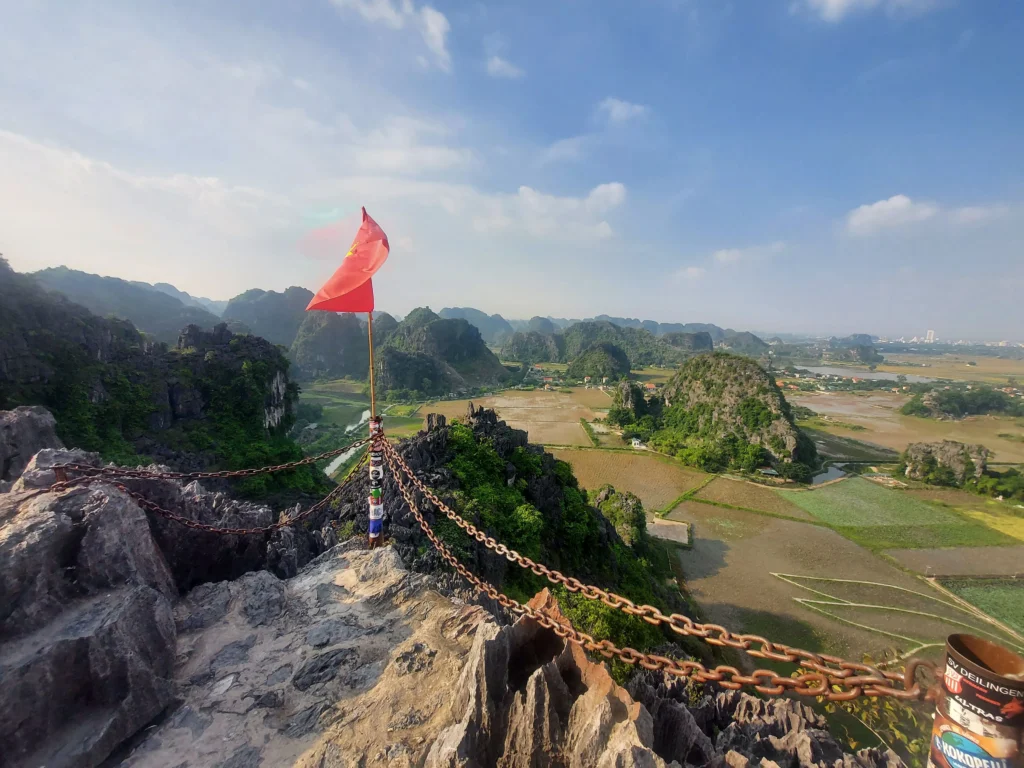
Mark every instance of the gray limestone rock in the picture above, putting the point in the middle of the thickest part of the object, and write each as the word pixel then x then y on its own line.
pixel 24 432
pixel 263 596
pixel 78 687
pixel 324 667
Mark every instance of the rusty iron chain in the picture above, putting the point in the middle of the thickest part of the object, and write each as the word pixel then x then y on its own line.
pixel 854 678
pixel 88 470
pixel 195 525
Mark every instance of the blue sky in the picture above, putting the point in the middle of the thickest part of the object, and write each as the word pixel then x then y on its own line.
pixel 829 166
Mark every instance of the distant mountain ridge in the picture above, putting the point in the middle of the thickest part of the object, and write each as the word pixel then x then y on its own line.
pixel 493 328
pixel 217 307
pixel 641 346
pixel 149 309
pixel 274 316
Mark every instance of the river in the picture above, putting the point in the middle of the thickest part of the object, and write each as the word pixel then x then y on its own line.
pixel 342 458
pixel 864 373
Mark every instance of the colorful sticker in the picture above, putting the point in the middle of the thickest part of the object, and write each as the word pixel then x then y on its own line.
pixel 955 747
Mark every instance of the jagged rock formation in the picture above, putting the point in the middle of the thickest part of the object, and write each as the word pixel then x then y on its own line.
pixel 171 647
pixel 152 311
pixel 700 341
pixel 599 361
pixel 493 328
pixel 528 698
pixel 945 463
pixel 274 316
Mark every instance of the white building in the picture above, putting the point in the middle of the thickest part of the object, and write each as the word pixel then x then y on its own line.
pixel 929 337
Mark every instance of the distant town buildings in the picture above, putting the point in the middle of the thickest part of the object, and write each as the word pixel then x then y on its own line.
pixel 929 337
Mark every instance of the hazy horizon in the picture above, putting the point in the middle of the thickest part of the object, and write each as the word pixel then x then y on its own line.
pixel 803 166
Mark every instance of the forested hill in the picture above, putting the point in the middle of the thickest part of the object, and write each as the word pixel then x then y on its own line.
pixel 215 399
pixel 641 346
pixel 274 316
pixel 429 355
pixel 719 411
pixel 493 328
pixel 329 345
pixel 149 309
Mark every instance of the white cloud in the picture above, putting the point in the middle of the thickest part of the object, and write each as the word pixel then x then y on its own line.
pixel 549 216
pixel 619 111
pixel 900 212
pixel 732 255
pixel 978 214
pixel 435 28
pixel 897 211
pixel 605 197
pixel 573 148
pixel 377 11
pixel 499 67
pixel 691 273
pixel 432 25
pixel 837 10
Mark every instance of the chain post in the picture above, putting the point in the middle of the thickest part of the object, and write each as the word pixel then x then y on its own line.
pixel 375 527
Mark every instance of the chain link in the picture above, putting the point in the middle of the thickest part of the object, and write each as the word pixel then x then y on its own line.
pixel 195 525
pixel 89 470
pixel 827 672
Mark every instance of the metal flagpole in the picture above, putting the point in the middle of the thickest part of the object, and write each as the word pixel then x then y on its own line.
pixel 373 394
pixel 376 500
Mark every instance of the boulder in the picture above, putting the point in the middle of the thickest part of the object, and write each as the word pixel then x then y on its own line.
pixel 77 688
pixel 23 432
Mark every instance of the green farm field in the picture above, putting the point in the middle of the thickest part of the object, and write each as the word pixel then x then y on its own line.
pixel 809 585
pixel 881 518
pixel 1002 599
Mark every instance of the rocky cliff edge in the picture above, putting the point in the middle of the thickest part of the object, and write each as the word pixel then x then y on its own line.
pixel 119 645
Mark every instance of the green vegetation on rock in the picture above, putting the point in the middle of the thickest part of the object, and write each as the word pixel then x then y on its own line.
pixel 719 411
pixel 955 402
pixel 216 400
pixel 545 515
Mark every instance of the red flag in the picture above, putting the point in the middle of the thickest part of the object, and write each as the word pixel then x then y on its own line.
pixel 350 288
